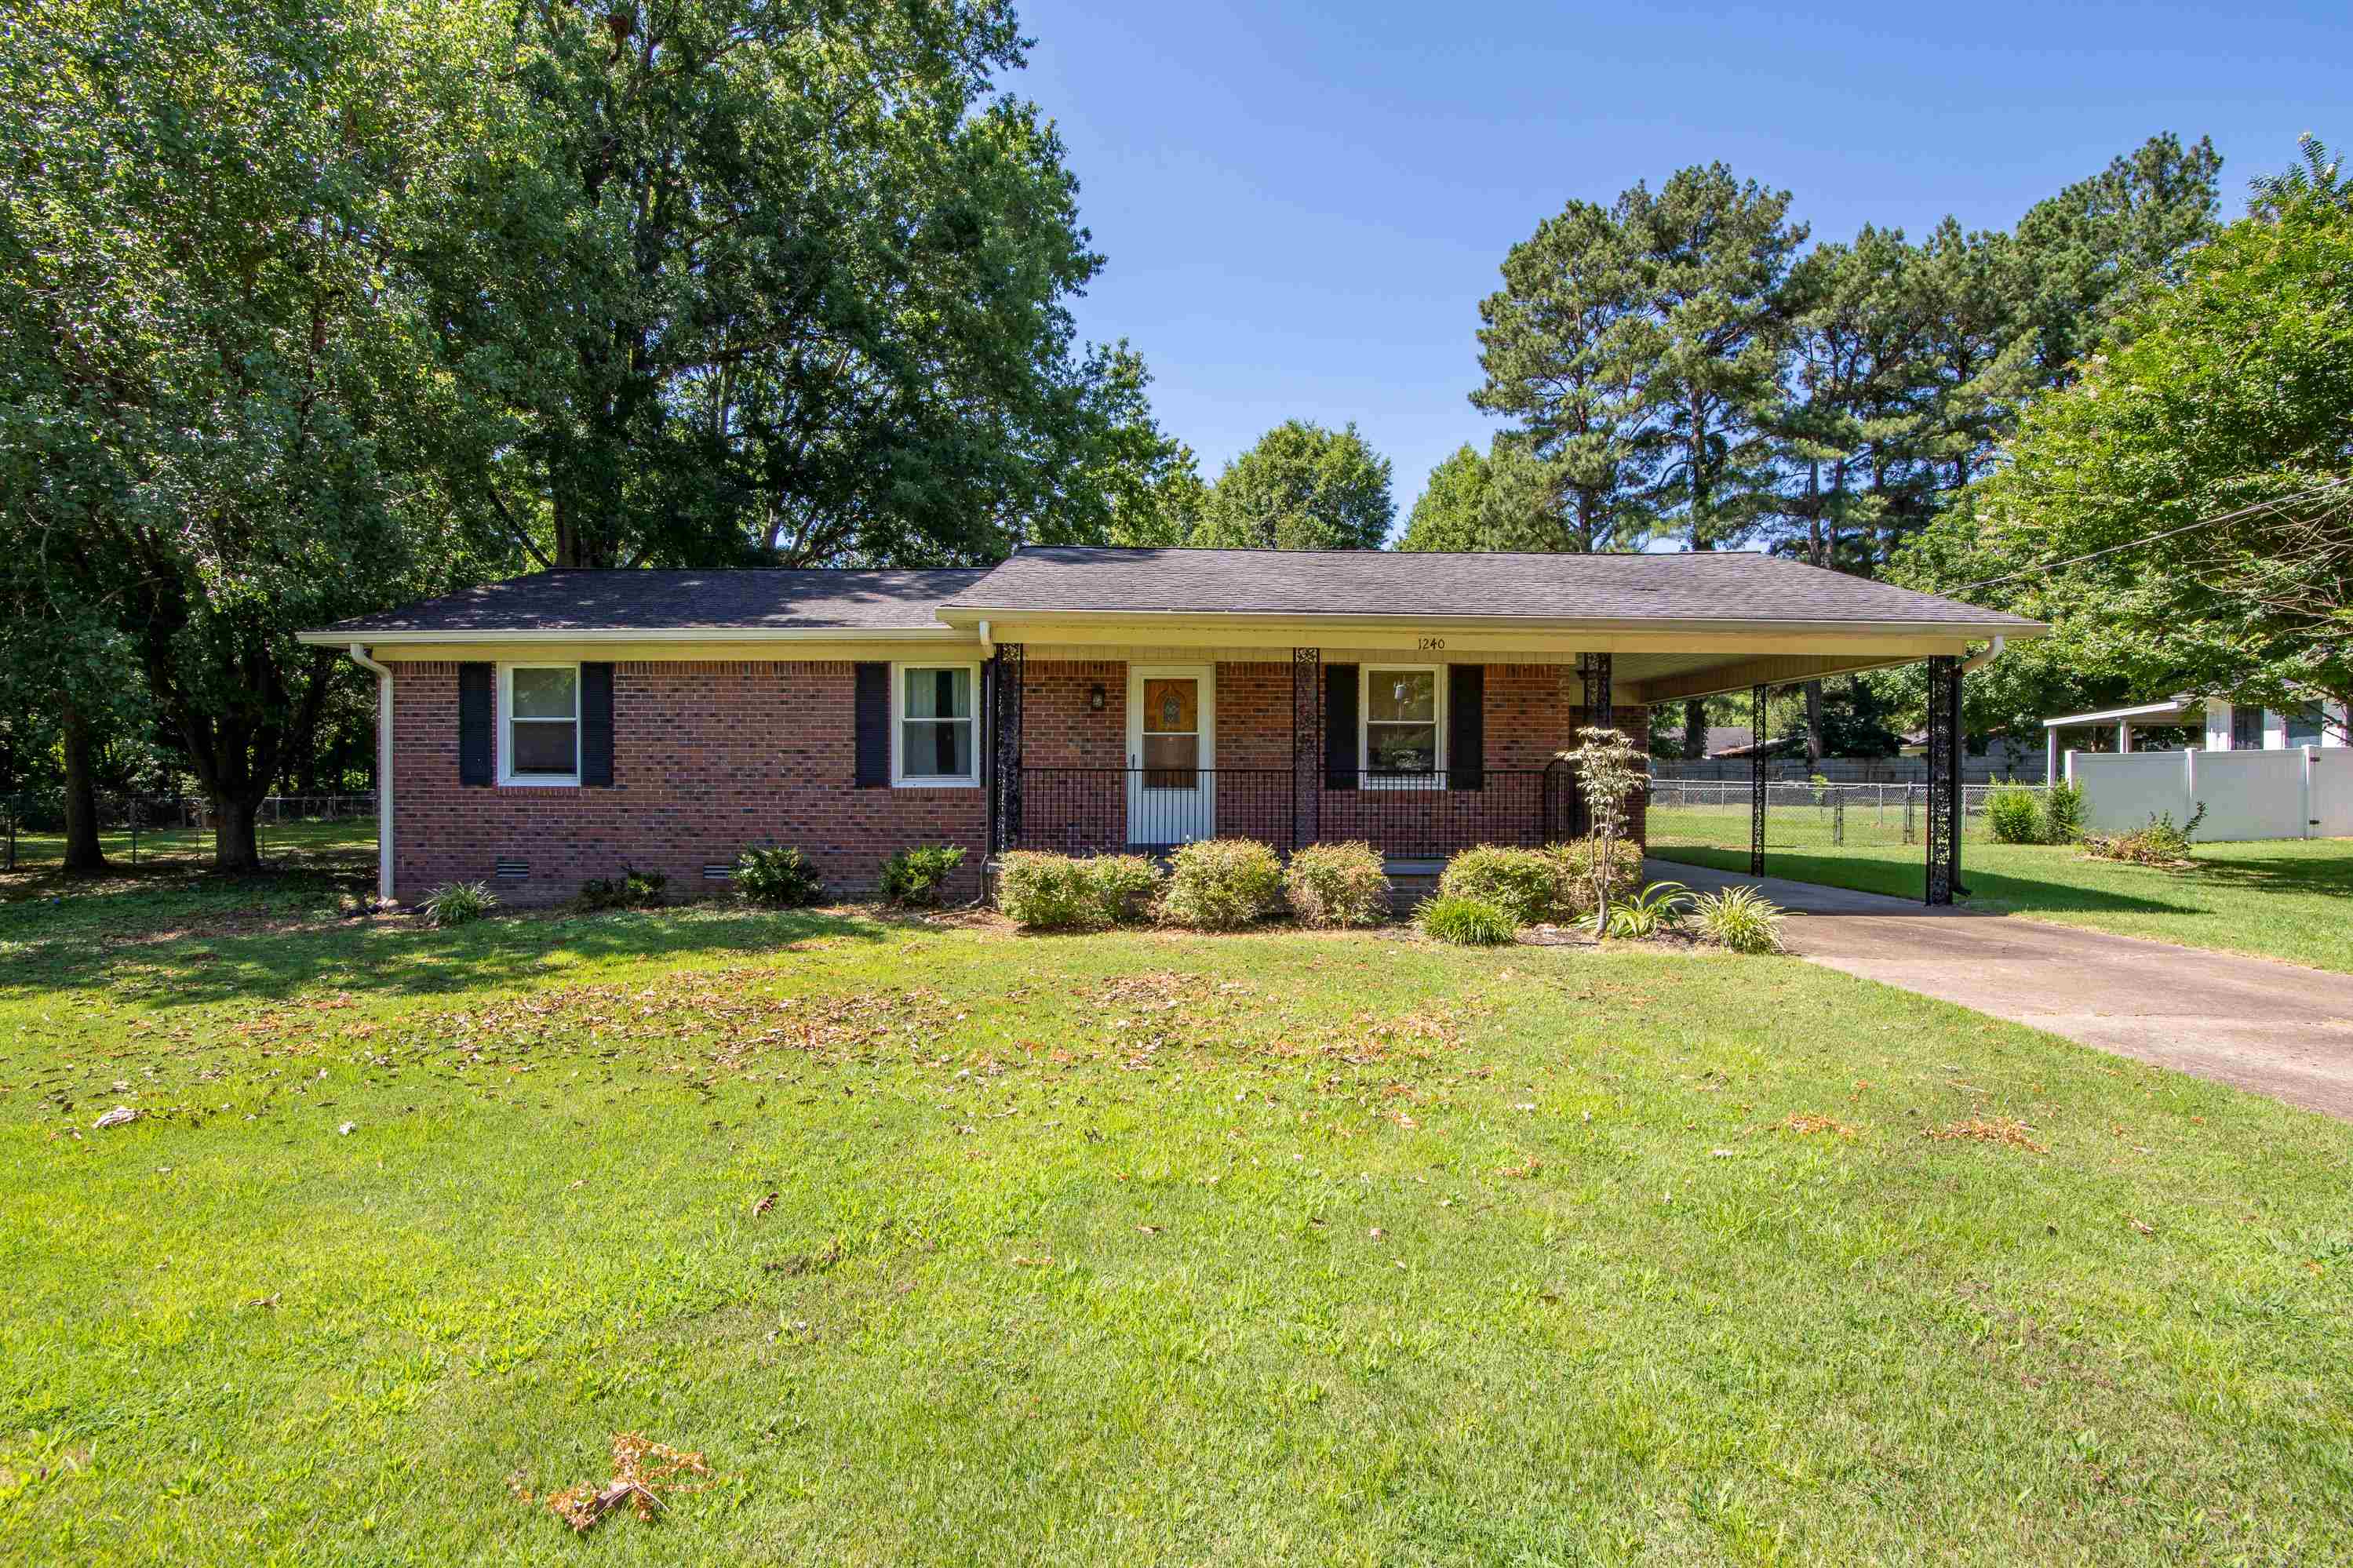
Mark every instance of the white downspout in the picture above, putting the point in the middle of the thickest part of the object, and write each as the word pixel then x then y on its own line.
pixel 1978 661
pixel 987 643
pixel 383 769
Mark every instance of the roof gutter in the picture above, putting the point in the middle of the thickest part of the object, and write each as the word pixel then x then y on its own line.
pixel 1987 656
pixel 330 637
pixel 383 674
pixel 964 616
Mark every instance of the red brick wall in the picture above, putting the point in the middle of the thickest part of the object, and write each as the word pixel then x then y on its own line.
pixel 708 759
pixel 712 758
pixel 1532 712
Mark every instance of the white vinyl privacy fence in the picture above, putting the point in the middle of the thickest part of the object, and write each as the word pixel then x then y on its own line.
pixel 2307 792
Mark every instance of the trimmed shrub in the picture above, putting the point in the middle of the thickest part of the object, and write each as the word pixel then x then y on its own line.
pixel 918 877
pixel 1222 884
pixel 1525 884
pixel 1465 921
pixel 1577 859
pixel 1742 918
pixel 458 903
pixel 632 890
pixel 2014 815
pixel 779 875
pixel 1042 892
pixel 2063 812
pixel 1124 885
pixel 1337 885
pixel 1047 892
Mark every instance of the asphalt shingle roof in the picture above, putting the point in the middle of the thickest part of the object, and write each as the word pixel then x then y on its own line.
pixel 1700 585
pixel 692 601
pixel 1722 586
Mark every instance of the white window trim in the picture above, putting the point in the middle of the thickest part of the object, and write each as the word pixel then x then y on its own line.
pixel 1366 777
pixel 506 719
pixel 900 777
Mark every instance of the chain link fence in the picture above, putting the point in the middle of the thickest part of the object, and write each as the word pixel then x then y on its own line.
pixel 1708 813
pixel 163 830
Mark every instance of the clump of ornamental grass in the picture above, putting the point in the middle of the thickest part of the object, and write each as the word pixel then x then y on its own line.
pixel 458 903
pixel 1463 921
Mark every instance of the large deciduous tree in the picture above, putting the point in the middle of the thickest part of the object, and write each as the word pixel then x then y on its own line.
pixel 1507 497
pixel 207 364
pixel 776 279
pixel 2222 407
pixel 1303 487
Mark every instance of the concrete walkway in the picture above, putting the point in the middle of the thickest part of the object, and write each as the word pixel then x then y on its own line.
pixel 2275 1028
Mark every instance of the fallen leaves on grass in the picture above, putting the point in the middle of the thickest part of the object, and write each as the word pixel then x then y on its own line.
pixel 116 1117
pixel 643 1471
pixel 1991 1129
pixel 1804 1121
pixel 764 1206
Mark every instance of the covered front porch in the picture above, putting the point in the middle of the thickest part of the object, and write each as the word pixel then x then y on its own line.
pixel 1420 752
pixel 1135 700
pixel 1099 751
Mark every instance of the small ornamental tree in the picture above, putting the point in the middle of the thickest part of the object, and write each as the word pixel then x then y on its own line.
pixel 1610 771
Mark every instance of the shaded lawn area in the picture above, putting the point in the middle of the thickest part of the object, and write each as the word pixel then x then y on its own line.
pixel 156 850
pixel 2287 899
pixel 1277 1247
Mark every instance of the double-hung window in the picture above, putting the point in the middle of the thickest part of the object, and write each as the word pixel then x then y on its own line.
pixel 1403 742
pixel 539 742
pixel 935 737
pixel 2303 725
pixel 2246 727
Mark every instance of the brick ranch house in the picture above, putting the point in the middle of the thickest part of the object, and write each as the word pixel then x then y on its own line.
pixel 553 728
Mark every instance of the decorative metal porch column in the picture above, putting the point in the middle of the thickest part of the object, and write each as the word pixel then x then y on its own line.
pixel 1943 780
pixel 1757 780
pixel 1306 745
pixel 1004 750
pixel 1599 713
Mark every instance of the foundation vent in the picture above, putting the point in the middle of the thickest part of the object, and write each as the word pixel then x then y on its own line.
pixel 719 871
pixel 514 869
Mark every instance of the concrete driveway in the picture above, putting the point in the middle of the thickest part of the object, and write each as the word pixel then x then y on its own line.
pixel 2275 1028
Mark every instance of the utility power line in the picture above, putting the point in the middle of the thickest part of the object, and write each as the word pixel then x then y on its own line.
pixel 2271 505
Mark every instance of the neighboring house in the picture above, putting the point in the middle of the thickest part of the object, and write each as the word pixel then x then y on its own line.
pixel 557 727
pixel 2224 727
pixel 1739 740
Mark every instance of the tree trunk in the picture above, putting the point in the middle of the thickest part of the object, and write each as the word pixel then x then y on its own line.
pixel 235 846
pixel 1814 746
pixel 1696 728
pixel 83 856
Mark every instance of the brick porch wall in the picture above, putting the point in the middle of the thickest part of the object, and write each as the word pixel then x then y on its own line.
pixel 1532 712
pixel 708 759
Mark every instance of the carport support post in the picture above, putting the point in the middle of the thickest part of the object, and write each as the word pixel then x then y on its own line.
pixel 1943 780
pixel 1600 710
pixel 1757 780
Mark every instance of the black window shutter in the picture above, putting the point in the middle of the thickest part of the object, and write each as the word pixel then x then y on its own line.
pixel 1466 726
pixel 596 725
pixel 474 763
pixel 873 726
pixel 1340 726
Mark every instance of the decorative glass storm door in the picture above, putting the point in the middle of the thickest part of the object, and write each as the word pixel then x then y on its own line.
pixel 1171 785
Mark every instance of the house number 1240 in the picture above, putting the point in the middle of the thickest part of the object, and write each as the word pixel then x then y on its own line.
pixel 1433 645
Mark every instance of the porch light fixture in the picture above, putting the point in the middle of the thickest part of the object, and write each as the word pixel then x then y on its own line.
pixel 1095 697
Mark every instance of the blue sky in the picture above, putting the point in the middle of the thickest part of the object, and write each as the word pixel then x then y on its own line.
pixel 1303 204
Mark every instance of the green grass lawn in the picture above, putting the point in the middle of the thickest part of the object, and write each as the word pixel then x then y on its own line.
pixel 1155 1247
pixel 2289 898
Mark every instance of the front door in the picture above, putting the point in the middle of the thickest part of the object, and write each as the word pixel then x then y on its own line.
pixel 1171 753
